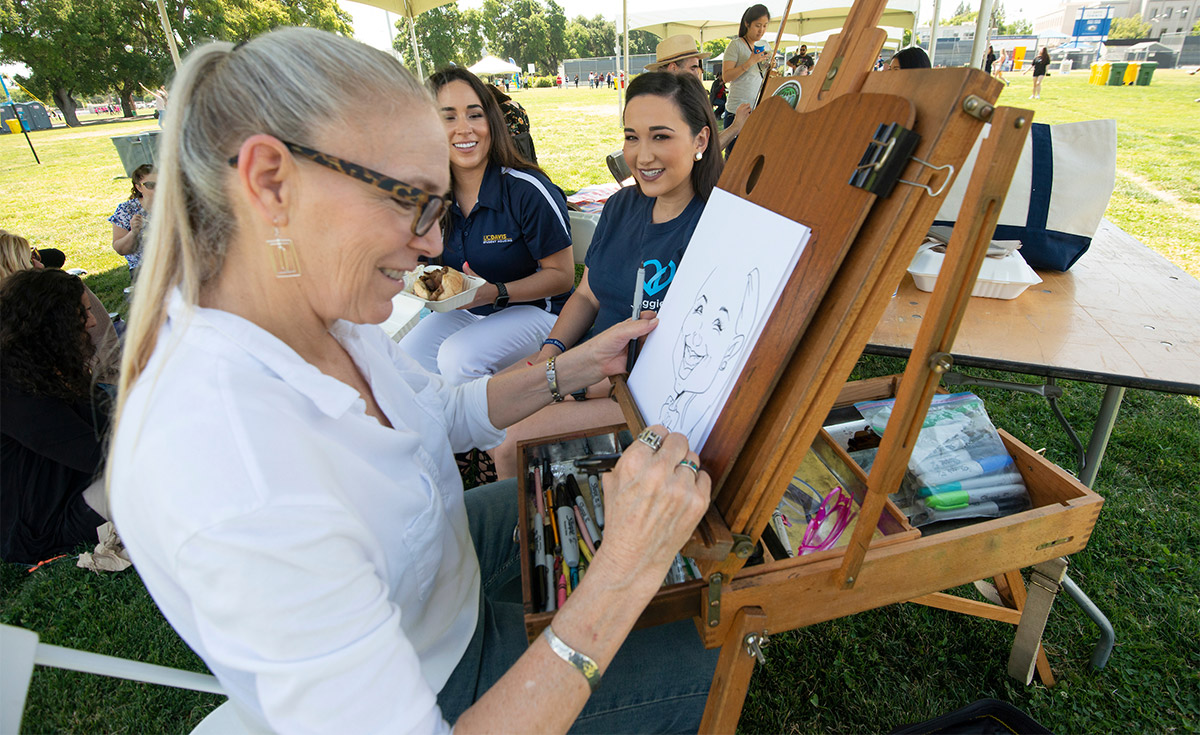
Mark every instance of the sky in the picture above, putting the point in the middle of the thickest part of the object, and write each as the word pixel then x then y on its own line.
pixel 370 26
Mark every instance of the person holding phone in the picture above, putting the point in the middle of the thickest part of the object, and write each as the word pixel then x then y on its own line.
pixel 745 64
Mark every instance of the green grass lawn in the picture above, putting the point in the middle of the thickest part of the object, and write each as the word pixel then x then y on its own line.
pixel 867 673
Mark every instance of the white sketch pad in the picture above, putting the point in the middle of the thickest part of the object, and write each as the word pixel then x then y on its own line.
pixel 728 283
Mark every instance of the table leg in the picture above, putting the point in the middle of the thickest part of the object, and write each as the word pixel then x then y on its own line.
pixel 1088 470
pixel 1101 432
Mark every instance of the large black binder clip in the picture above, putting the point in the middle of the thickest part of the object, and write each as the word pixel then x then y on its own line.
pixel 886 156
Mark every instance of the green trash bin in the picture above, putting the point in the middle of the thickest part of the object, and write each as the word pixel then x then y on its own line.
pixel 136 150
pixel 1146 73
pixel 1116 75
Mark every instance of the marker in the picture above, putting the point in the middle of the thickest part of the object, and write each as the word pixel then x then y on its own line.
pixel 586 522
pixel 987 509
pixel 963 498
pixel 562 589
pixel 587 555
pixel 958 466
pixel 549 571
pixel 1006 478
pixel 567 535
pixel 566 576
pixel 637 314
pixel 676 574
pixel 781 531
pixel 597 499
pixel 540 591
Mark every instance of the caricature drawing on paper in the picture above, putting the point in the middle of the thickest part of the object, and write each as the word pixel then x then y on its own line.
pixel 714 334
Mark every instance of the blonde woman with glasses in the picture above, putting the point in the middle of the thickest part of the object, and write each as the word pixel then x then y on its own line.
pixel 283 475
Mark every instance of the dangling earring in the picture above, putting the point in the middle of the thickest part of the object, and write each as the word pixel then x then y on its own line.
pixel 699 155
pixel 284 257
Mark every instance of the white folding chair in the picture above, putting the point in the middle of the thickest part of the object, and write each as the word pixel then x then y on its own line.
pixel 22 651
pixel 583 225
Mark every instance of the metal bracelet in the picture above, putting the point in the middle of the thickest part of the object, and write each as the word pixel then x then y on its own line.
pixel 583 664
pixel 552 379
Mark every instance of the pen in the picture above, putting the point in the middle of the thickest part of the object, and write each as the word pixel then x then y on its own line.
pixel 1006 478
pixel 637 314
pixel 550 570
pixel 598 462
pixel 963 498
pixel 586 522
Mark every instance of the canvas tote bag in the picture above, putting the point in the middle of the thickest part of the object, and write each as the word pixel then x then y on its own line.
pixel 1058 193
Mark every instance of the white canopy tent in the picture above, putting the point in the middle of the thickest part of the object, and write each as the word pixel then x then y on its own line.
pixel 705 22
pixel 493 65
pixel 409 9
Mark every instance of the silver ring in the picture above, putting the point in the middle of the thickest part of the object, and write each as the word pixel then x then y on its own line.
pixel 650 439
pixel 695 468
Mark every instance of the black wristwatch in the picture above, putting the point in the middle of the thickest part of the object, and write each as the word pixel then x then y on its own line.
pixel 580 395
pixel 501 296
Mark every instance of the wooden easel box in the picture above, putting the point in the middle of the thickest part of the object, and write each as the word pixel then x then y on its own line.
pixel 1059 522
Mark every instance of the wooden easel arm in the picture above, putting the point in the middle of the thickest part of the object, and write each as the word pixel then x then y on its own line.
pixel 930 358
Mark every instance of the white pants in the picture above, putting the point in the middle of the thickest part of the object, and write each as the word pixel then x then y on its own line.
pixel 462 346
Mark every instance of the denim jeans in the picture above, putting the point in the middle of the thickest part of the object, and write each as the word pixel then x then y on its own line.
pixel 726 122
pixel 658 681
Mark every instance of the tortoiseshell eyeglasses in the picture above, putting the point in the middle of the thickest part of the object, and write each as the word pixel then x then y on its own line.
pixel 429 206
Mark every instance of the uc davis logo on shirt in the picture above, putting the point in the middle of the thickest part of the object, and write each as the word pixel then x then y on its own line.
pixel 658 278
pixel 497 239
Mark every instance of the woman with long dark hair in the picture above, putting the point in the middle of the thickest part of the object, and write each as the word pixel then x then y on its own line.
pixel 1039 65
pixel 53 422
pixel 745 62
pixel 507 223
pixel 671 148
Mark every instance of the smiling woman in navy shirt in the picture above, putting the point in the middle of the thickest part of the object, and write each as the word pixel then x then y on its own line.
pixel 669 126
pixel 507 224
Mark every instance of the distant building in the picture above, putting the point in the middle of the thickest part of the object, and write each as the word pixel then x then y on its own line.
pixel 964 32
pixel 1170 16
pixel 1062 18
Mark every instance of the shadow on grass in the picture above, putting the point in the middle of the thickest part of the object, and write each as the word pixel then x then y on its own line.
pixel 110 286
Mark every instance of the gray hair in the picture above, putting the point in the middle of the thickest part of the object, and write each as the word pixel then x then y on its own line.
pixel 292 83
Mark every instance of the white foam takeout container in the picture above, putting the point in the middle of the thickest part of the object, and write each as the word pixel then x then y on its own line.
pixel 999 278
pixel 406 312
pixel 450 304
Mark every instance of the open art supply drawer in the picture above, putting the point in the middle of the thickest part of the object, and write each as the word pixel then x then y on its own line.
pixel 810 589
pixel 681 599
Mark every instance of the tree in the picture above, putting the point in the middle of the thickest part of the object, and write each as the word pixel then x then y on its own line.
pixel 1195 29
pixel 640 42
pixel 83 47
pixel 592 37
pixel 1018 28
pixel 1129 28
pixel 444 37
pixel 717 46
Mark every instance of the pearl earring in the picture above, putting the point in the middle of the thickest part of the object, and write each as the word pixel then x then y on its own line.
pixel 699 155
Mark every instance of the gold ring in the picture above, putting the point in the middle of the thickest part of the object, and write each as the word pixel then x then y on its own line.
pixel 695 468
pixel 650 439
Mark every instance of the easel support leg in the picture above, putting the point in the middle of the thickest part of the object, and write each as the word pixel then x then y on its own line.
pixel 732 677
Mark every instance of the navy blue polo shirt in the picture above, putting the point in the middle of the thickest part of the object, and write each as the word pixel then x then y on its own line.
pixel 626 239
pixel 520 218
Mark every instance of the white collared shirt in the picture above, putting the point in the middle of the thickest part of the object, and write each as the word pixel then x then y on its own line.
pixel 319 562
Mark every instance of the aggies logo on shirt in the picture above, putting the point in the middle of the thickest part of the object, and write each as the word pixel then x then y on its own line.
pixel 658 278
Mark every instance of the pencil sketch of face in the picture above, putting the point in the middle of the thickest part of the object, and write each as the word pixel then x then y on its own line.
pixel 714 330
